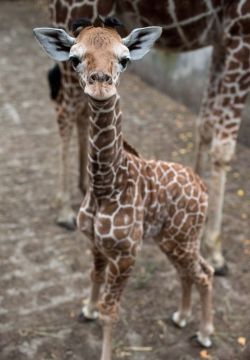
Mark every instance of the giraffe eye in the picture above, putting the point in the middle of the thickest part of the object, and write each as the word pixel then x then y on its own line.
pixel 75 61
pixel 124 62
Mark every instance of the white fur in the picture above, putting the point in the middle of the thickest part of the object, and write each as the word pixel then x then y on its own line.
pixel 146 36
pixel 50 39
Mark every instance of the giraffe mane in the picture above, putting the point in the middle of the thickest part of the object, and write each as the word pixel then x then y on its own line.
pixel 130 149
pixel 77 25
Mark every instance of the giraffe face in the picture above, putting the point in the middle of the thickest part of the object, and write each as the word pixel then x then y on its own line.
pixel 98 54
pixel 99 57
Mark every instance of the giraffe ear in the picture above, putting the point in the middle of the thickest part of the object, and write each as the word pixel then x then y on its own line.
pixel 140 41
pixel 55 42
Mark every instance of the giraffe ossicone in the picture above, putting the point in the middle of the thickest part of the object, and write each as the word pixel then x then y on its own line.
pixel 130 198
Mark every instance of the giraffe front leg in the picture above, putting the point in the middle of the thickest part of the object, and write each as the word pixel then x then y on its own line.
pixel 66 217
pixel 222 153
pixel 205 121
pixel 119 270
pixel 233 88
pixel 90 309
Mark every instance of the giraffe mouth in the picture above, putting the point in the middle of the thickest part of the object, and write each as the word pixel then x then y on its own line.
pixel 100 91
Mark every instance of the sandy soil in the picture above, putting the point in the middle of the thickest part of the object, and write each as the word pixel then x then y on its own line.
pixel 44 270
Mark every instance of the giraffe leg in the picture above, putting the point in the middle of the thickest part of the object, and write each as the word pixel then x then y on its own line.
pixel 230 100
pixel 181 316
pixel 203 282
pixel 192 269
pixel 66 216
pixel 89 311
pixel 119 270
pixel 204 125
pixel 69 102
pixel 82 126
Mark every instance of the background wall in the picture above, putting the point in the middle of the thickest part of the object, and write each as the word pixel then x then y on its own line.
pixel 184 77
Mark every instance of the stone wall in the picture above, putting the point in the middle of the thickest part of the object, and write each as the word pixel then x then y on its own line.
pixel 183 76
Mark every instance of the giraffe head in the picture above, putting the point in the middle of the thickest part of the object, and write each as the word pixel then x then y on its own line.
pixel 98 54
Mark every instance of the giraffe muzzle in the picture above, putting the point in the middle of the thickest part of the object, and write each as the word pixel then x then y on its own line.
pixel 100 77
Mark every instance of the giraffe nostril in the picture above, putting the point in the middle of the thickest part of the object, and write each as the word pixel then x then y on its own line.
pixel 108 79
pixel 92 78
pixel 100 77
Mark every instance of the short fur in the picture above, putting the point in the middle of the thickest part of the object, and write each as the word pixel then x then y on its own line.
pixel 54 79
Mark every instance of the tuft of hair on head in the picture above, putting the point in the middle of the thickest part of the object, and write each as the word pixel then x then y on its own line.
pixel 77 25
pixel 112 22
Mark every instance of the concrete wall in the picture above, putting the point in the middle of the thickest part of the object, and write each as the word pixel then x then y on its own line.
pixel 183 77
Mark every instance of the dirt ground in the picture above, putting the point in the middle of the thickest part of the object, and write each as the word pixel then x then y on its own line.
pixel 44 270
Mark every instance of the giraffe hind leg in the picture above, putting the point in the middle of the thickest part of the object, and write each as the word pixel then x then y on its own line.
pixel 192 269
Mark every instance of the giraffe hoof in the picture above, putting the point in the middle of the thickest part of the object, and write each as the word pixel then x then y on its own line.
pixel 86 315
pixel 203 341
pixel 180 323
pixel 69 224
pixel 221 270
pixel 83 319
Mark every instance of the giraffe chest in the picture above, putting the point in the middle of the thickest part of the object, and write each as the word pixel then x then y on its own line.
pixel 112 225
pixel 85 219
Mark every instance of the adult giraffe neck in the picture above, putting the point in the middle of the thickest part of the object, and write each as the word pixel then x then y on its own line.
pixel 105 153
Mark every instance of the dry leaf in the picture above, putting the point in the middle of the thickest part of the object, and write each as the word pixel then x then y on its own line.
pixel 242 340
pixel 183 151
pixel 204 355
pixel 240 192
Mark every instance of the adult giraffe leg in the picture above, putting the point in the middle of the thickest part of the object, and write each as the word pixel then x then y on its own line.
pixel 66 216
pixel 204 125
pixel 69 103
pixel 230 100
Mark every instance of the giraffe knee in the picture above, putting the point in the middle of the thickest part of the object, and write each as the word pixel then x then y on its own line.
pixel 97 276
pixel 222 152
pixel 207 269
pixel 205 132
pixel 108 310
pixel 202 274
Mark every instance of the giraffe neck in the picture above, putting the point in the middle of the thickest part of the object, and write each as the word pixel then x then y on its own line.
pixel 105 154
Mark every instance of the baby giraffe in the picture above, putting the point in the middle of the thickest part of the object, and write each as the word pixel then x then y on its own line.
pixel 130 198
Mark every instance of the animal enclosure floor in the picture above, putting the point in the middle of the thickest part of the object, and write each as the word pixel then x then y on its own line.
pixel 44 270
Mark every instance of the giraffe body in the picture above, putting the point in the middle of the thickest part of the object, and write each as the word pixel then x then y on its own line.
pixel 130 198
pixel 141 199
pixel 187 25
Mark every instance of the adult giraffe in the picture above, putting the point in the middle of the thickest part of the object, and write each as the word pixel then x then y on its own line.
pixel 224 24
